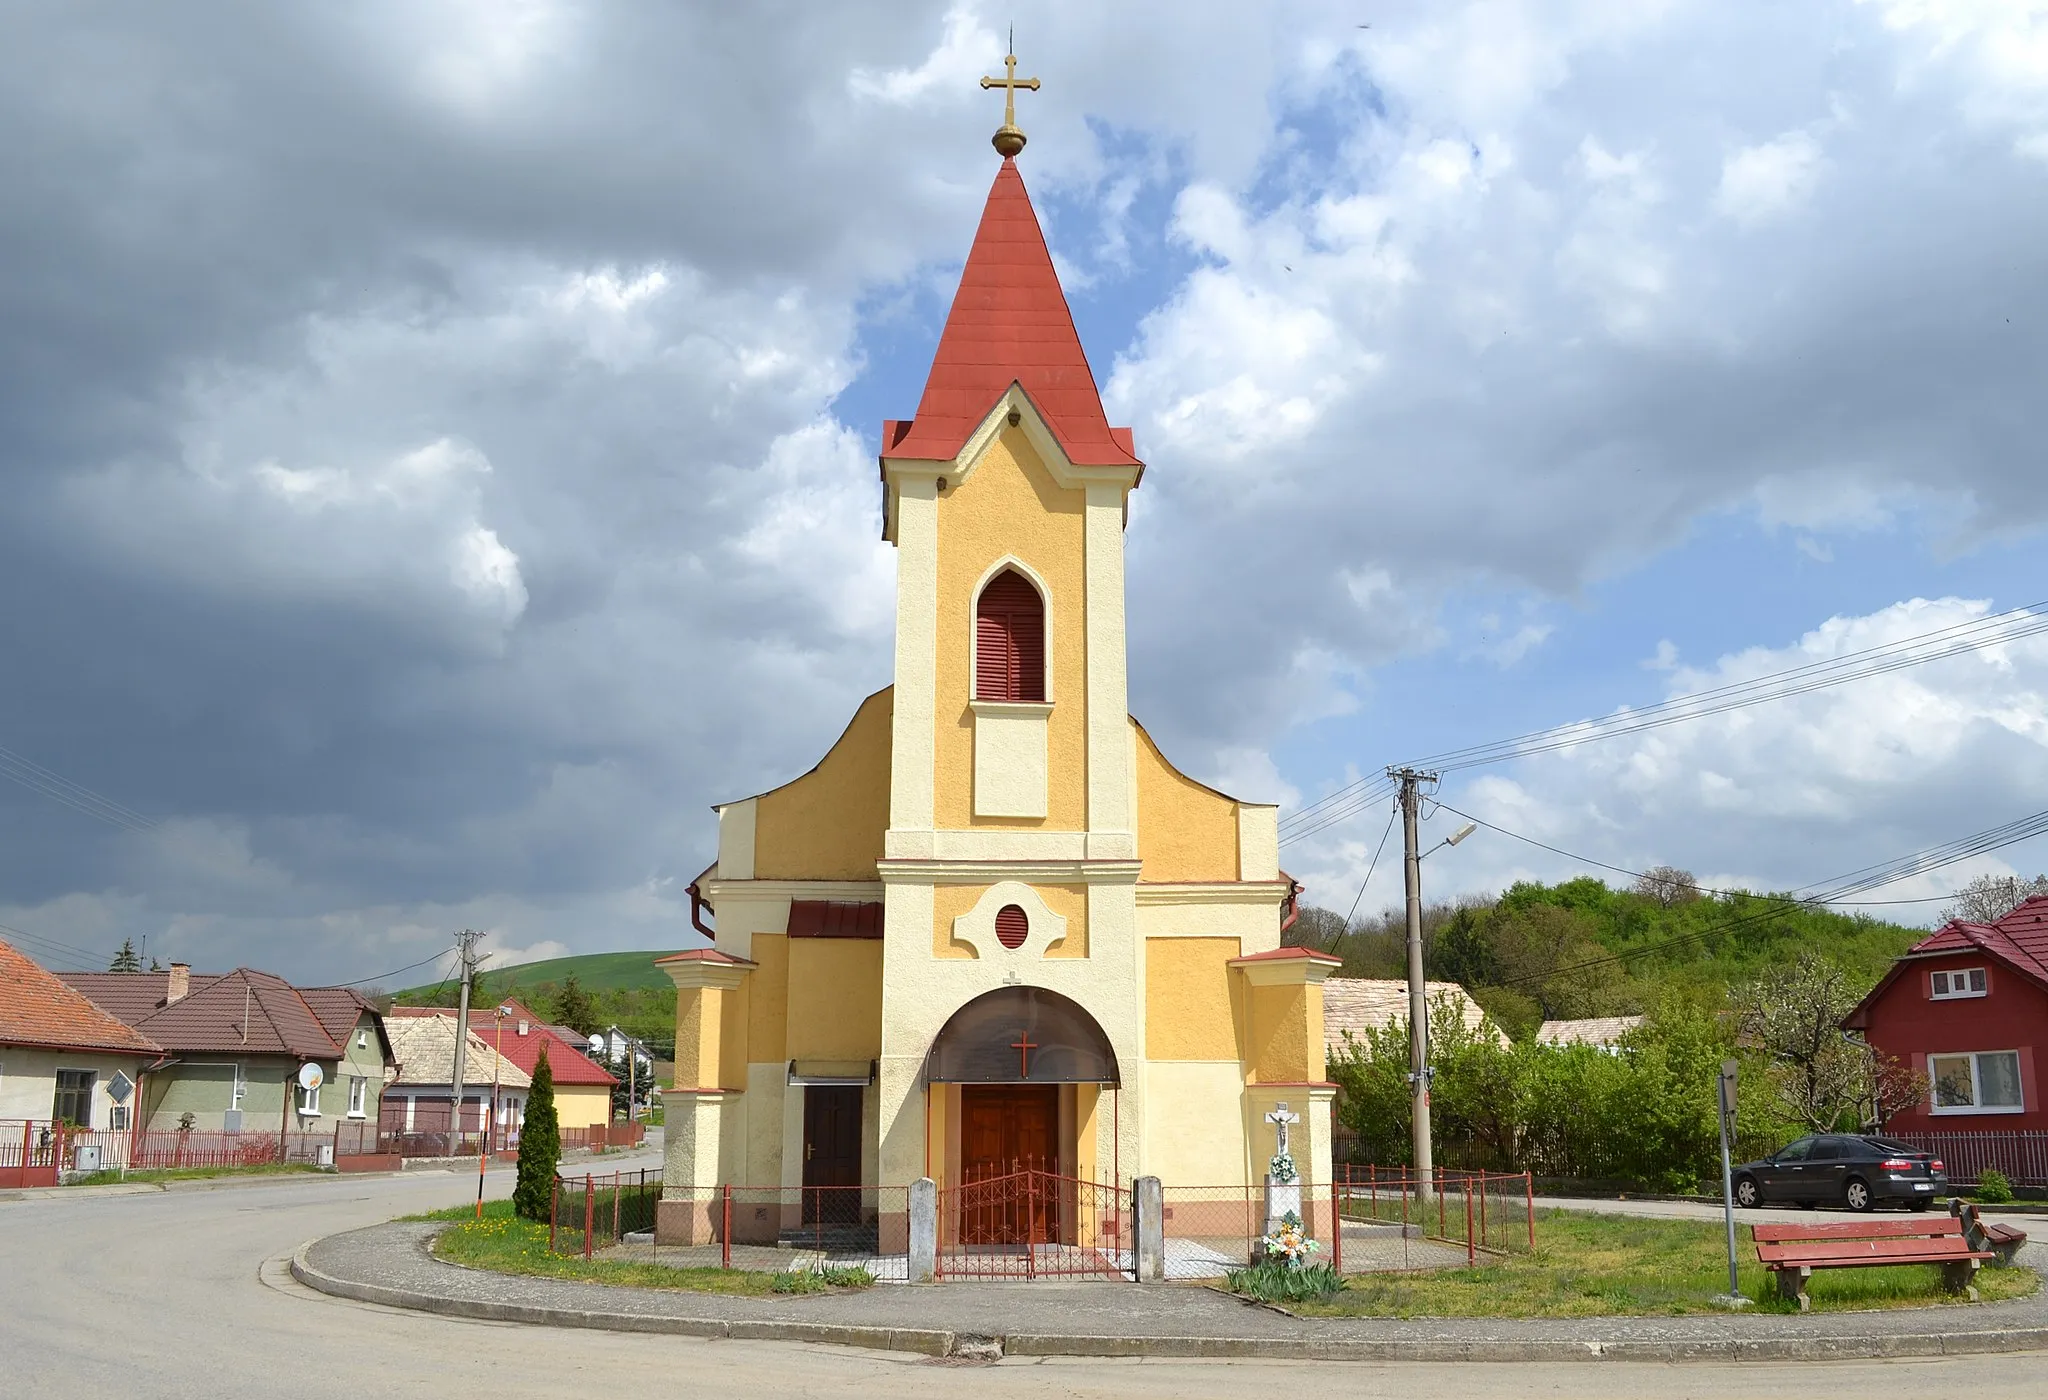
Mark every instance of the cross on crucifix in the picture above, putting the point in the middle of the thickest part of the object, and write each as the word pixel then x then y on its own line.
pixel 1008 138
pixel 1024 1045
pixel 1280 1118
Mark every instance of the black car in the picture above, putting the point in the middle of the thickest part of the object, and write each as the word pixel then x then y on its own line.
pixel 1858 1172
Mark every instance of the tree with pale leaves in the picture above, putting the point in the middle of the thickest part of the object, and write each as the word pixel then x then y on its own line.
pixel 1989 898
pixel 1668 885
pixel 1820 1076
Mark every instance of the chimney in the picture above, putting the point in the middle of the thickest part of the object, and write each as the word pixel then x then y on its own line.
pixel 180 983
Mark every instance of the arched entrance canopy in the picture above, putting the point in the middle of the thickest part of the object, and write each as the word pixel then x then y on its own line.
pixel 1021 1035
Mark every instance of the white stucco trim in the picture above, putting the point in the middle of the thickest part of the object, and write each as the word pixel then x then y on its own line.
pixel 1001 843
pixel 1046 601
pixel 896 873
pixel 1258 841
pixel 1110 804
pixel 785 890
pixel 977 927
pixel 1251 893
pixel 736 839
pixel 1010 759
pixel 1036 431
pixel 914 727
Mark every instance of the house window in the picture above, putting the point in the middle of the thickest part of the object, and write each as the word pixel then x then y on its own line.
pixel 73 1103
pixel 309 1101
pixel 1009 640
pixel 239 1087
pixel 358 1095
pixel 119 1122
pixel 1987 1081
pixel 1961 982
pixel 362 1040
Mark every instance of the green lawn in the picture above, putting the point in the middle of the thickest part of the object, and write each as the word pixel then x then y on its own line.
pixel 114 1176
pixel 1588 1265
pixel 509 1245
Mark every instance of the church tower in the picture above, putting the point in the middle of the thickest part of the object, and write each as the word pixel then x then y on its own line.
pixel 994 927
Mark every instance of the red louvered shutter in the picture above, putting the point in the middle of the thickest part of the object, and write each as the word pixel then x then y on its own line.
pixel 1012 928
pixel 1009 640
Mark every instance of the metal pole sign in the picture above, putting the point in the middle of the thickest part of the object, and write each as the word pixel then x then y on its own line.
pixel 1725 1088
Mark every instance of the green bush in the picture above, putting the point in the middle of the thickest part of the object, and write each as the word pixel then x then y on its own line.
pixel 1993 1187
pixel 1275 1282
pixel 821 1279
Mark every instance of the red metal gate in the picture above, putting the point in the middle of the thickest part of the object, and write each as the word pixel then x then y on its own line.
pixel 1028 1224
pixel 31 1151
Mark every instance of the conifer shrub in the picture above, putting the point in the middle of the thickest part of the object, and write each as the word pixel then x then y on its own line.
pixel 540 1146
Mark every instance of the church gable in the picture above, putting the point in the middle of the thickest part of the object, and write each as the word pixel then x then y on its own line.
pixel 1190 833
pixel 828 824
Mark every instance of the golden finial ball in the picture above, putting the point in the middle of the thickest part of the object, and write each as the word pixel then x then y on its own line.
pixel 1008 141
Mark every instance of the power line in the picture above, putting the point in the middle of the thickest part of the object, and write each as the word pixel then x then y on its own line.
pixel 77 796
pixel 1957 639
pixel 365 981
pixel 1368 873
pixel 52 948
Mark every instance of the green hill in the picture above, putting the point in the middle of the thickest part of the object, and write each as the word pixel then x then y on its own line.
pixel 596 972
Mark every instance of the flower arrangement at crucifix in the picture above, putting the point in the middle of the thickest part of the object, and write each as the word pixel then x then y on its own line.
pixel 1289 1244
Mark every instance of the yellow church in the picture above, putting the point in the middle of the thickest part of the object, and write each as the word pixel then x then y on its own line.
pixel 994 926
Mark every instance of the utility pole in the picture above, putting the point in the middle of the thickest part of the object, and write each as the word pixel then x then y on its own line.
pixel 465 950
pixel 1418 988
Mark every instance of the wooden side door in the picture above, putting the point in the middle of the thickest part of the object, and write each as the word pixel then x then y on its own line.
pixel 832 1154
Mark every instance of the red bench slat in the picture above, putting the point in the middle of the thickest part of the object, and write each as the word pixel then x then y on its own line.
pixel 1835 1253
pixel 2005 1234
pixel 1943 1226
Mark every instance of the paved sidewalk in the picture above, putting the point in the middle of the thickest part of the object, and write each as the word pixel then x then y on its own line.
pixel 389 1264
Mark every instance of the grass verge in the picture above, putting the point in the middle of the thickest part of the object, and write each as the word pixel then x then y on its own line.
pixel 508 1245
pixel 1588 1265
pixel 114 1176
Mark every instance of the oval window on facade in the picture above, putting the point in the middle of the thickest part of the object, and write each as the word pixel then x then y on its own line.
pixel 1012 928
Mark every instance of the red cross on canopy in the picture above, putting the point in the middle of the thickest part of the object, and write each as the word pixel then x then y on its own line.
pixel 1024 1045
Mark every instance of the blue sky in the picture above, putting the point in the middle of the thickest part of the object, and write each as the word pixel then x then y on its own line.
pixel 441 448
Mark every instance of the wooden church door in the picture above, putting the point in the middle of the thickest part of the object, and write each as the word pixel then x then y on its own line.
pixel 1005 1128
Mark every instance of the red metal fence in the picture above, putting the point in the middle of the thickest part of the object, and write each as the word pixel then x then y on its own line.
pixel 31 1152
pixel 771 1229
pixel 1035 1224
pixel 2023 1157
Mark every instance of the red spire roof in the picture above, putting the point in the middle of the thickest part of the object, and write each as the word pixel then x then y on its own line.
pixel 1010 324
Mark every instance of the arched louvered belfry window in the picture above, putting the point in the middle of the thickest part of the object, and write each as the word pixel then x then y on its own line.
pixel 1009 640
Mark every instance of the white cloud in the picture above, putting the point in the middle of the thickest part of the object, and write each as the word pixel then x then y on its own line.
pixel 1764 182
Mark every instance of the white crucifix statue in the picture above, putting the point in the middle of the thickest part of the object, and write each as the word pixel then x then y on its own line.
pixel 1283 1181
pixel 1280 1118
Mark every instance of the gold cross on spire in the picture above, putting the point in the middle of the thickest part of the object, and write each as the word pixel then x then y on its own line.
pixel 1009 139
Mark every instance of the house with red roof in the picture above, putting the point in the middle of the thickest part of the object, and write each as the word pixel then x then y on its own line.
pixel 583 1088
pixel 1967 1008
pixel 62 1060
pixel 246 1051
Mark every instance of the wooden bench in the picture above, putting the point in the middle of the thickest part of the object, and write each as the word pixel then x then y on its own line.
pixel 2003 1241
pixel 1793 1252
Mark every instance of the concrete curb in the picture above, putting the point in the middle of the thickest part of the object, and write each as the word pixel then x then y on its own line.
pixel 925 1342
pixel 939 1342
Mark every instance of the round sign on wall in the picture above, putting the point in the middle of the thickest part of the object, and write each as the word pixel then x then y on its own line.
pixel 310 1076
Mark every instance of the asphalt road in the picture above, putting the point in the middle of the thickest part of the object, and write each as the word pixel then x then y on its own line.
pixel 185 1294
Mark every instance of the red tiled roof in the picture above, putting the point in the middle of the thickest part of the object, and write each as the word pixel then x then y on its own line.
pixel 2019 940
pixel 566 1058
pixel 338 1009
pixel 832 918
pixel 247 1011
pixel 38 1008
pixel 1010 324
pixel 1278 954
